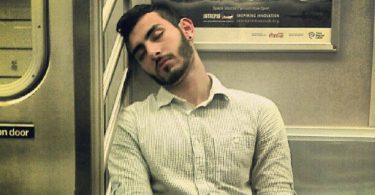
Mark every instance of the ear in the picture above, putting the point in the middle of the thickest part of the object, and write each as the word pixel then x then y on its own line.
pixel 187 27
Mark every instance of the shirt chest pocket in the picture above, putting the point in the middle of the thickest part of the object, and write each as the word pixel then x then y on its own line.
pixel 234 151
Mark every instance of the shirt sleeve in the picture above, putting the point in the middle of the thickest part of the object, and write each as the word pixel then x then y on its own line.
pixel 272 170
pixel 128 170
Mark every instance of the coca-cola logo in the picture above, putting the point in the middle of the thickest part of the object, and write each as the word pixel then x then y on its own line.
pixel 276 35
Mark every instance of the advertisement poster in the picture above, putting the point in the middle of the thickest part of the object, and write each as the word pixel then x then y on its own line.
pixel 258 21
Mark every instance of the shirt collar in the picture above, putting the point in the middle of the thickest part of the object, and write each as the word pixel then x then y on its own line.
pixel 164 97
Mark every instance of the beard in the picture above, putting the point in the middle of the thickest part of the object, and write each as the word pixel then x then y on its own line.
pixel 185 50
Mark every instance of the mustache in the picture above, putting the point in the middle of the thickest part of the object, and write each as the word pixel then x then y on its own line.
pixel 163 58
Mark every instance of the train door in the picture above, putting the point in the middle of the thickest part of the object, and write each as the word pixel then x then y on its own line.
pixel 36 102
pixel 62 73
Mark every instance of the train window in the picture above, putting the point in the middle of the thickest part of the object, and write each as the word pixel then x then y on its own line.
pixel 22 47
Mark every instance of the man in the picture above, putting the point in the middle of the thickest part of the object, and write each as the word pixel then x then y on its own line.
pixel 194 136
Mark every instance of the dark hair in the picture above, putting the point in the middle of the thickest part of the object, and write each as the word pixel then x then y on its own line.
pixel 127 21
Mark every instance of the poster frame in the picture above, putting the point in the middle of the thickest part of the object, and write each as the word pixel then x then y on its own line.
pixel 233 46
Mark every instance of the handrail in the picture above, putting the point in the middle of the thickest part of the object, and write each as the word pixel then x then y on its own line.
pixel 108 190
pixel 107 11
pixel 112 63
pixel 112 121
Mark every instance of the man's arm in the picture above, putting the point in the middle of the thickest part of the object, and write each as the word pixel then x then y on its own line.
pixel 272 171
pixel 127 168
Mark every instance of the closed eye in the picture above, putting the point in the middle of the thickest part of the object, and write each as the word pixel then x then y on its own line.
pixel 140 55
pixel 157 35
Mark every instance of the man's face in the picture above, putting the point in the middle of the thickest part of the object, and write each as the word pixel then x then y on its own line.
pixel 161 49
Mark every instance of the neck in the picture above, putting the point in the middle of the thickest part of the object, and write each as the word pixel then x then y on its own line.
pixel 195 86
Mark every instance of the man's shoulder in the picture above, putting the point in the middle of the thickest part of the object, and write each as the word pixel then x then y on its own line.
pixel 130 115
pixel 247 98
pixel 142 105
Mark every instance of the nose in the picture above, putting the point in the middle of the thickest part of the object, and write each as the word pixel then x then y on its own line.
pixel 154 50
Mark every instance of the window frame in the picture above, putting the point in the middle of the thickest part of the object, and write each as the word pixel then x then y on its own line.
pixel 35 72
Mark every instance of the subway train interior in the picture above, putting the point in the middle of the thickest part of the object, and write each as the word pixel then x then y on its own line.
pixel 64 74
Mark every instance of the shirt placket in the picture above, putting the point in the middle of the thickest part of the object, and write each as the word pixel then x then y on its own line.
pixel 197 143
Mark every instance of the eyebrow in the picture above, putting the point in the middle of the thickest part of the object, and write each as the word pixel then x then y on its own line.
pixel 147 36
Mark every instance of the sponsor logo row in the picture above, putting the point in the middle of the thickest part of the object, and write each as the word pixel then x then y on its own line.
pixel 310 35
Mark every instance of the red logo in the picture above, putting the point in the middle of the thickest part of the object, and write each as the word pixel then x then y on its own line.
pixel 276 35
